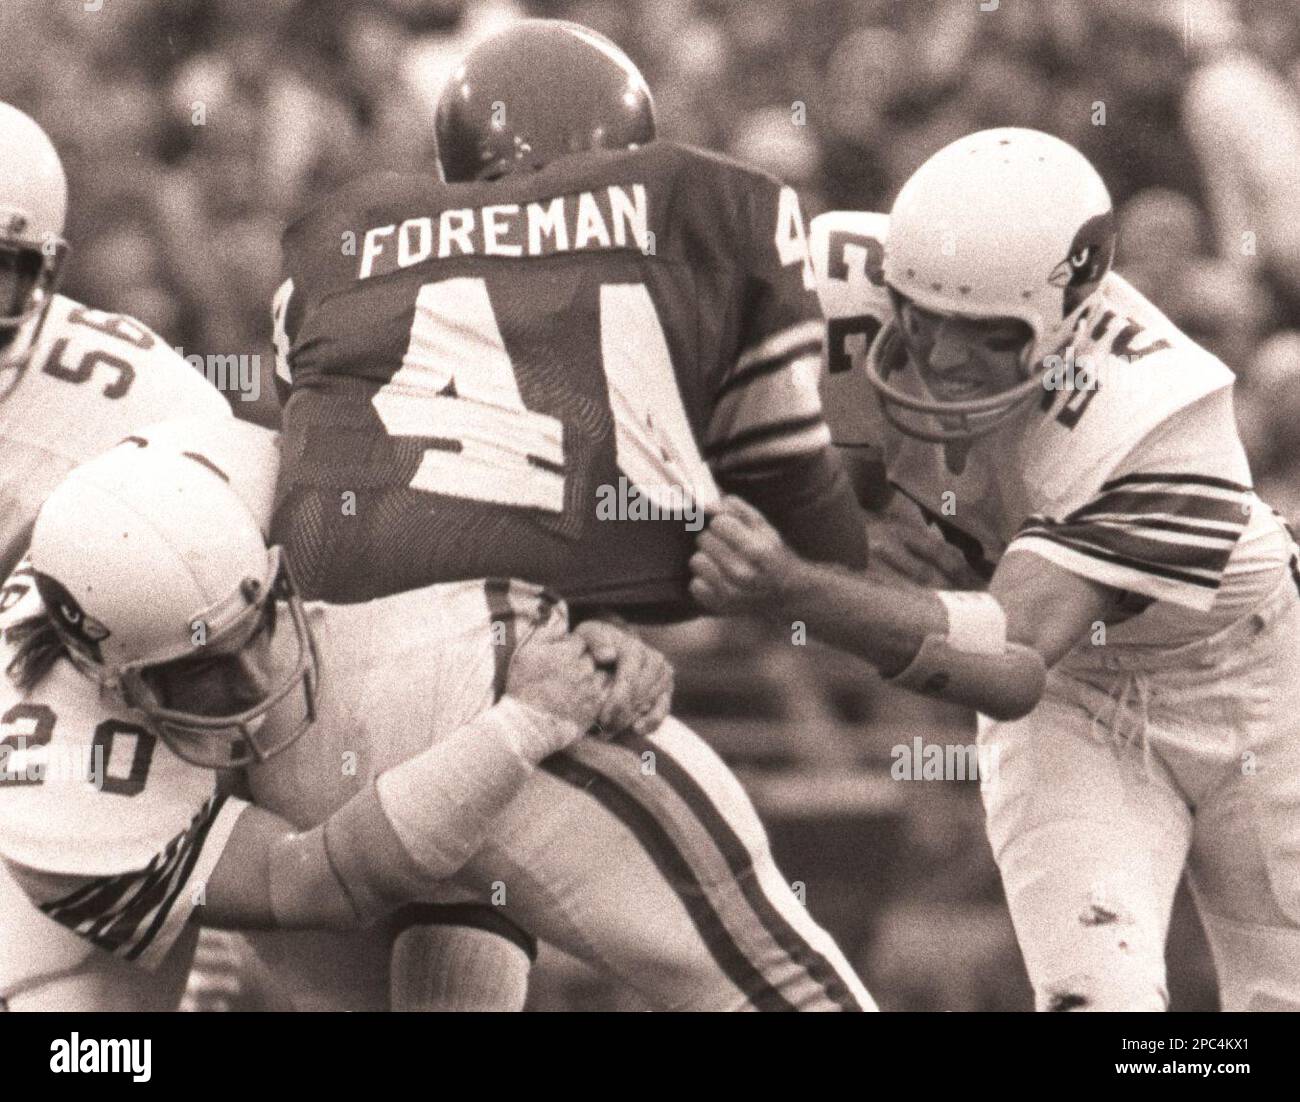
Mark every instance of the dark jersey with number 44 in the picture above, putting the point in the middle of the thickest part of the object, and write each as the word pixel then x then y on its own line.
pixel 548 376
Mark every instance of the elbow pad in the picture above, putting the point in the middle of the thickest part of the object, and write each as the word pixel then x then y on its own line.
pixel 973 664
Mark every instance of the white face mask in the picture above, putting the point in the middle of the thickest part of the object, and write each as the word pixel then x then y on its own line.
pixel 954 404
pixel 220 729
pixel 28 281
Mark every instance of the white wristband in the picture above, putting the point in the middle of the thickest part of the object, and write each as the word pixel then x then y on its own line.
pixel 533 733
pixel 441 802
pixel 976 622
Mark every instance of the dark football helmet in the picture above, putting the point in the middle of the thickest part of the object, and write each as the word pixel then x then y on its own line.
pixel 539 90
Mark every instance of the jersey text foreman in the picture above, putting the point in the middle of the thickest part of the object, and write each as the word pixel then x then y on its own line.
pixel 614 217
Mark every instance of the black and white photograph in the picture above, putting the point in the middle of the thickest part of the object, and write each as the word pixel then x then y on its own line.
pixel 605 506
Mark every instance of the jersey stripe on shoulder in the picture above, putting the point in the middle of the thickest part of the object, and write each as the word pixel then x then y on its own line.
pixel 164 896
pixel 1166 535
pixel 124 914
pixel 775 352
pixel 1195 566
pixel 1198 507
pixel 1178 478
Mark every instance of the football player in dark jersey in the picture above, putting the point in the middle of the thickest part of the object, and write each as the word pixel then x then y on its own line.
pixel 477 363
pixel 548 363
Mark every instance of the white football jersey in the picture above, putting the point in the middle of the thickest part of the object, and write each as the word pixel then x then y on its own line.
pixel 92 379
pixel 103 827
pixel 1128 470
pixel 113 836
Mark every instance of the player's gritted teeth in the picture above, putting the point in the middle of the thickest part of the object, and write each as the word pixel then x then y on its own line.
pixel 962 358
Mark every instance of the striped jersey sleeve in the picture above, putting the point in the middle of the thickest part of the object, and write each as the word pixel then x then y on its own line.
pixel 768 407
pixel 139 915
pixel 1167 535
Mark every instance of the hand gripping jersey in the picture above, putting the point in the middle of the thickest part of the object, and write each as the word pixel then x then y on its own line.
pixel 1128 470
pixel 539 376
pixel 641 856
pixel 92 378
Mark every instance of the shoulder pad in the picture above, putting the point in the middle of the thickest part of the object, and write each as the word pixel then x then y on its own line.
pixel 847 249
pixel 848 255
pixel 1141 370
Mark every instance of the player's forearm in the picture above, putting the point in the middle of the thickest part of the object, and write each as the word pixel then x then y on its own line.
pixel 417 824
pixel 425 818
pixel 883 624
pixel 951 646
pixel 442 801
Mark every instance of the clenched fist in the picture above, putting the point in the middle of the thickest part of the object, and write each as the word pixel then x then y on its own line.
pixel 552 671
pixel 741 564
pixel 641 692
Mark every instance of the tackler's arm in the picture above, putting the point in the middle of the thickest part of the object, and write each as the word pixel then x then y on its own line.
pixel 417 824
pixel 987 651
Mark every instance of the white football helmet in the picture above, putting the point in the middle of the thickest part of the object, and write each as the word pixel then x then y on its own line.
pixel 147 557
pixel 247 454
pixel 1001 224
pixel 33 208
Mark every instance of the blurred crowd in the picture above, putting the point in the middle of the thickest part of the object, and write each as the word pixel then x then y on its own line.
pixel 193 128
